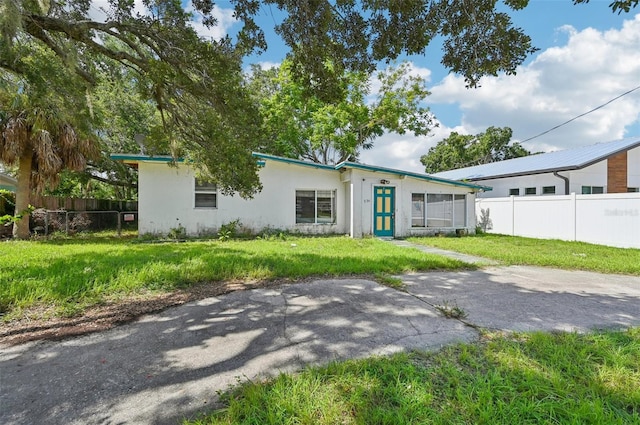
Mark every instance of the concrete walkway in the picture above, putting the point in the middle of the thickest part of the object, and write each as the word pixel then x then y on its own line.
pixel 168 366
pixel 451 254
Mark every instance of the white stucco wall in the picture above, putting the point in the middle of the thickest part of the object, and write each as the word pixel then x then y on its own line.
pixel 167 201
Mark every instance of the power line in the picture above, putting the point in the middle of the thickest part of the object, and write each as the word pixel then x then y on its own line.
pixel 581 115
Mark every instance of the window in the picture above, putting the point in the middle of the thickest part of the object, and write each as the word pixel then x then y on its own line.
pixel 417 210
pixel 548 190
pixel 592 190
pixel 315 206
pixel 530 191
pixel 514 192
pixel 445 210
pixel 206 194
pixel 633 189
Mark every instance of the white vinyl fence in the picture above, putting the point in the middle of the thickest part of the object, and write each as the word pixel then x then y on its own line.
pixel 609 219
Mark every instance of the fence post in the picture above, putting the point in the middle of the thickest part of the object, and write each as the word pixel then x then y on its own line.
pixel 513 215
pixel 119 223
pixel 66 223
pixel 46 222
pixel 574 212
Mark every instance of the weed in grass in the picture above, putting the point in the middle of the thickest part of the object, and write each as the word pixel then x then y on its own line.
pixel 391 282
pixel 451 310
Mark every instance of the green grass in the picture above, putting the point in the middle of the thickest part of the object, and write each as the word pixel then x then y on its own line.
pixel 539 378
pixel 513 250
pixel 74 274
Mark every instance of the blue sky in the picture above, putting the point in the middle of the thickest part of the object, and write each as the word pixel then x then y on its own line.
pixel 588 55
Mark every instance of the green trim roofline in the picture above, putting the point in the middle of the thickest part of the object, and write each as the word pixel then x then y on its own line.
pixel 293 161
pixel 419 176
pixel 128 157
pixel 134 158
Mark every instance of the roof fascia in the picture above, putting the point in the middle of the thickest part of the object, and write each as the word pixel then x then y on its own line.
pixel 265 156
pixel 143 158
pixel 410 174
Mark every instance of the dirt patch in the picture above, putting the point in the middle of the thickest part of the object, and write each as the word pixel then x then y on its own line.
pixel 109 315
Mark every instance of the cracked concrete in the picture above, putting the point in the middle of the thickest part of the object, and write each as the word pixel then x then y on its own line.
pixel 169 366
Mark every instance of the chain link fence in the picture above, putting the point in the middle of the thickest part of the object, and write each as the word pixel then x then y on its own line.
pixel 46 222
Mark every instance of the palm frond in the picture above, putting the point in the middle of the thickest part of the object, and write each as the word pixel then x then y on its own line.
pixel 15 139
pixel 49 162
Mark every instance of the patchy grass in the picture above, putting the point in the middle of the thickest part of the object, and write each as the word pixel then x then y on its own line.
pixel 391 281
pixel 71 275
pixel 537 378
pixel 513 250
pixel 451 310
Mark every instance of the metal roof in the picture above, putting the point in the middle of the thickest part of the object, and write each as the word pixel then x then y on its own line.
pixel 565 160
pixel 7 182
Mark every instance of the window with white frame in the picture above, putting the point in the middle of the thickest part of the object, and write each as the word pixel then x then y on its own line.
pixel 530 191
pixel 514 192
pixel 446 210
pixel 548 190
pixel 316 206
pixel 206 194
pixel 417 210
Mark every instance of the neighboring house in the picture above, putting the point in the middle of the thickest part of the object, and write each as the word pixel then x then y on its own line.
pixel 305 197
pixel 612 167
pixel 7 182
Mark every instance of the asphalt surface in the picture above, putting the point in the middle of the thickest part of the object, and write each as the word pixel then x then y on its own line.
pixel 168 366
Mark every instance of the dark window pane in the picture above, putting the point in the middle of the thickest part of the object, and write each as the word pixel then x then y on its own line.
pixel 206 200
pixel 305 206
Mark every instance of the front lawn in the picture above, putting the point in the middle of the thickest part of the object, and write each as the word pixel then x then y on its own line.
pixel 514 250
pixel 70 275
pixel 539 378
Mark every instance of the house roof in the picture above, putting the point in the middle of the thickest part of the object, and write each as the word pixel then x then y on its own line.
pixel 134 159
pixel 7 182
pixel 564 160
pixel 427 177
pixel 346 165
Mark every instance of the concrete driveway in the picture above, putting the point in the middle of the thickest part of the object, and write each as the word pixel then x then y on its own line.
pixel 168 366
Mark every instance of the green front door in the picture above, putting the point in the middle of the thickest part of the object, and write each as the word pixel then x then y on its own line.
pixel 383 211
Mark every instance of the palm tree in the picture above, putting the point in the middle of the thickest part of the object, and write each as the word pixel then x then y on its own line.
pixel 41 140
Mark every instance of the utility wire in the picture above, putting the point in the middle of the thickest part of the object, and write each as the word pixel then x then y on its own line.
pixel 581 115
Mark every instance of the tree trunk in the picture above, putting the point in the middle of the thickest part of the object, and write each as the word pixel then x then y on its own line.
pixel 23 196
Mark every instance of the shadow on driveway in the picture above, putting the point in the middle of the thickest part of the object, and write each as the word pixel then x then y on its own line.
pixel 168 366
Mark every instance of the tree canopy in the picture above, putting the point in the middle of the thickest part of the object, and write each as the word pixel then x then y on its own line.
pixel 197 84
pixel 465 150
pixel 303 126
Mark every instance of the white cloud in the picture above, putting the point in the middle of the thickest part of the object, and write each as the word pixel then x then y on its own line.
pixel 561 83
pixel 404 151
pixel 225 20
pixel 225 17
